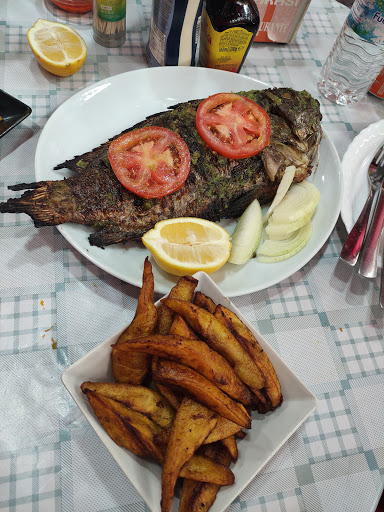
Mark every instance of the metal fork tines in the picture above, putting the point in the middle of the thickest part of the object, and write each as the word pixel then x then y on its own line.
pixel 354 242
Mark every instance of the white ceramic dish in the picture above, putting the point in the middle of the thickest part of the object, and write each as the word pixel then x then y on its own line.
pixel 104 109
pixel 354 169
pixel 268 433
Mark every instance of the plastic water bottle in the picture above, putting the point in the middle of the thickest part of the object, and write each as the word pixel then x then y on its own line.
pixel 357 55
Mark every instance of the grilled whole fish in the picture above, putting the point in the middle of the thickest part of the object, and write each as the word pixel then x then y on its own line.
pixel 216 188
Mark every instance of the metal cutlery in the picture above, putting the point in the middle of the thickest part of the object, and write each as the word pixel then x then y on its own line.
pixel 354 242
pixel 368 264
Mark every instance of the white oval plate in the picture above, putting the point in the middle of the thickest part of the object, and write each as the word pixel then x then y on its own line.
pixel 104 109
pixel 355 171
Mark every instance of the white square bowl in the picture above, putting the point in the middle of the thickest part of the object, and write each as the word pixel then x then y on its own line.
pixel 268 433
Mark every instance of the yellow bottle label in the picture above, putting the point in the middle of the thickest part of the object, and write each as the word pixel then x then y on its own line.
pixel 222 50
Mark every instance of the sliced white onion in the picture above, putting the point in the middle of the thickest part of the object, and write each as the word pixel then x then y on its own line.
pixel 278 250
pixel 282 189
pixel 301 199
pixel 247 234
pixel 281 231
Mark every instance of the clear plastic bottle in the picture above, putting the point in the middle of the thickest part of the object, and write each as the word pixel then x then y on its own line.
pixel 357 55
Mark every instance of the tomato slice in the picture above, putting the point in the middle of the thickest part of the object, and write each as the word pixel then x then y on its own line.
pixel 151 161
pixel 232 125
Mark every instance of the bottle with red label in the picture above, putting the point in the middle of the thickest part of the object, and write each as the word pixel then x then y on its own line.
pixel 228 28
pixel 377 88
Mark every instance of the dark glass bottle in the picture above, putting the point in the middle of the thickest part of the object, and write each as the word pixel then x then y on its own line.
pixel 228 28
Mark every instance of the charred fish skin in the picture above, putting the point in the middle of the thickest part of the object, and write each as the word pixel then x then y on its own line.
pixel 216 187
pixel 295 117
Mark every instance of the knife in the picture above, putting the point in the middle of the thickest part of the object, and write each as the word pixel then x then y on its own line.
pixel 368 265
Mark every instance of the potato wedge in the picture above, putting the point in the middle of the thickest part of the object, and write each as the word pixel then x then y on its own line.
pixel 193 422
pixel 252 346
pixel 150 435
pixel 130 367
pixel 173 397
pixel 204 469
pixel 196 355
pixel 183 289
pixel 223 428
pixel 116 428
pixel 199 496
pixel 220 339
pixel 139 398
pixel 204 302
pixel 180 327
pixel 182 378
pixel 231 446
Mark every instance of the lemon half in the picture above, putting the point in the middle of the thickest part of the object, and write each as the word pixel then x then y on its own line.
pixel 58 48
pixel 186 245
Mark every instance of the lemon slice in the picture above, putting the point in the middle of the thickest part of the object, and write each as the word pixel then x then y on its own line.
pixel 187 244
pixel 58 48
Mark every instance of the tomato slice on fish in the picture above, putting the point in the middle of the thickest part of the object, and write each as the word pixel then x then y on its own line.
pixel 232 125
pixel 151 161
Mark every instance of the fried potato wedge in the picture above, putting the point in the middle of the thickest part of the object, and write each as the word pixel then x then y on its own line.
pixel 231 446
pixel 192 424
pixel 252 346
pixel 183 289
pixel 180 327
pixel 139 398
pixel 204 302
pixel 150 435
pixel 116 428
pixel 204 469
pixel 182 378
pixel 223 429
pixel 131 367
pixel 196 355
pixel 220 339
pixel 200 496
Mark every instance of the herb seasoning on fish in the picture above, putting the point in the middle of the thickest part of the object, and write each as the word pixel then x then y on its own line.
pixel 216 187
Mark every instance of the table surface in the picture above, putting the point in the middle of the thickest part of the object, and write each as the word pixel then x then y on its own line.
pixel 324 320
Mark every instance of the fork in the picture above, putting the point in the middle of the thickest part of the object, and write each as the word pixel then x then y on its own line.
pixel 353 244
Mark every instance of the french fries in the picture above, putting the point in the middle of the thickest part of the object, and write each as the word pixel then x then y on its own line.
pixel 251 345
pixel 220 339
pixel 139 398
pixel 193 422
pixel 128 366
pixel 183 290
pixel 185 379
pixel 199 496
pixel 186 374
pixel 196 355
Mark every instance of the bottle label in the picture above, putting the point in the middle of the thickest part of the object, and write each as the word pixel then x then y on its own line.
pixel 173 34
pixel 366 18
pixel 222 50
pixel 111 10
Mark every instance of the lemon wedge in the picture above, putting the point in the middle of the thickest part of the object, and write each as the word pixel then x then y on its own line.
pixel 58 48
pixel 187 244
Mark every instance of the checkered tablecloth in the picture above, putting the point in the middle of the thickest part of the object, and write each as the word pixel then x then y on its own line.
pixel 55 306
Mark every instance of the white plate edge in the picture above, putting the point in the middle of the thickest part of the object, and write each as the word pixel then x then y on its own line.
pixel 357 155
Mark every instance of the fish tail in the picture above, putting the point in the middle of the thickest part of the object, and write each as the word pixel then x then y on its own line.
pixel 33 203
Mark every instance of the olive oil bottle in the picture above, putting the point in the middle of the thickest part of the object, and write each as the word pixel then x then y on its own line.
pixel 228 28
